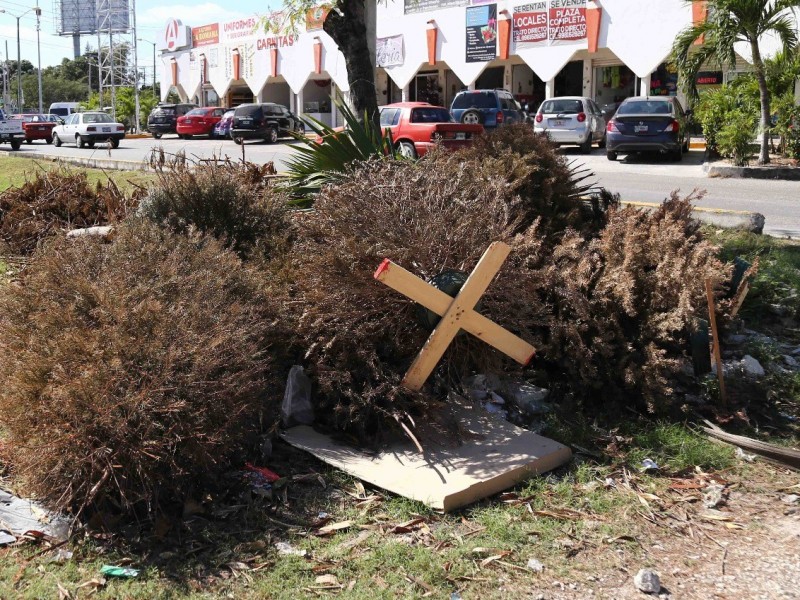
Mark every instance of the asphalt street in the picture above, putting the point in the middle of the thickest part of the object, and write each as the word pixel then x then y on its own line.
pixel 642 178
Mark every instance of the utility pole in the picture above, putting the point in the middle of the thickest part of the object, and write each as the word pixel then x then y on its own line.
pixel 5 80
pixel 135 68
pixel 39 53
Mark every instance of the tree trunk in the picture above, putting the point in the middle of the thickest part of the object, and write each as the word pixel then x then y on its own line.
pixel 758 65
pixel 349 30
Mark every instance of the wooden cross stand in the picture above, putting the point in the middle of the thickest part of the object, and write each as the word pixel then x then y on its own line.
pixel 457 313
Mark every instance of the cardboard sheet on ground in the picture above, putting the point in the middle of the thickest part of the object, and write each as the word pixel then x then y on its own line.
pixel 495 456
pixel 18 516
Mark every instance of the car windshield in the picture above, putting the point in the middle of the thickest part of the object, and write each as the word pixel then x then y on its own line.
pixel 167 110
pixel 476 100
pixel 431 115
pixel 567 107
pixel 645 107
pixel 248 110
pixel 228 115
pixel 97 118
pixel 23 118
pixel 197 112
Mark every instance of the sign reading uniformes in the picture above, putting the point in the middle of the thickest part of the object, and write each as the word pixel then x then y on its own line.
pixel 389 51
pixel 481 33
pixel 567 21
pixel 531 24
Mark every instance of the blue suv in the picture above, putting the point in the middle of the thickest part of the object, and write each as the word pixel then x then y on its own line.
pixel 489 108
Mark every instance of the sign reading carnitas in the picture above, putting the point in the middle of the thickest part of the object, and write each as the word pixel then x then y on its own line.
pixel 276 41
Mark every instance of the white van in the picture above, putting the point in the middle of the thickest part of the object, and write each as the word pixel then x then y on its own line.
pixel 64 109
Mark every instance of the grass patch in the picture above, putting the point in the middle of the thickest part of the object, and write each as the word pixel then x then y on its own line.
pixel 676 447
pixel 15 171
pixel 778 278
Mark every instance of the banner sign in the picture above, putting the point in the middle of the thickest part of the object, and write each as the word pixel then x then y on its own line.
pixel 549 23
pixel 481 33
pixel 530 24
pixel 389 51
pixel 418 6
pixel 709 78
pixel 567 21
pixel 315 17
pixel 205 35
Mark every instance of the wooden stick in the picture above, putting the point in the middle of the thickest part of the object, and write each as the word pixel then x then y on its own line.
pixel 451 321
pixel 712 319
pixel 739 299
pixel 421 292
pixel 786 456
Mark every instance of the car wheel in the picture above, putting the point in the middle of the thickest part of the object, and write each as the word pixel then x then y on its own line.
pixel 602 142
pixel 49 140
pixel 187 137
pixel 16 144
pixel 90 144
pixel 56 140
pixel 79 142
pixel 272 135
pixel 238 140
pixel 611 155
pixel 685 147
pixel 114 143
pixel 472 117
pixel 300 128
pixel 156 136
pixel 407 150
pixel 586 146
pixel 28 141
pixel 677 155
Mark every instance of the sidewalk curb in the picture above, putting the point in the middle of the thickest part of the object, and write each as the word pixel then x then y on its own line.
pixel 781 173
pixel 721 217
pixel 82 161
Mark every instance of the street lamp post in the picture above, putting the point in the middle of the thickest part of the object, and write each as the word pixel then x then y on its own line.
pixel 38 12
pixel 19 59
pixel 154 62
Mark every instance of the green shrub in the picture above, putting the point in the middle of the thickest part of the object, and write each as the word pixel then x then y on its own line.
pixel 735 139
pixel 316 163
pixel 55 201
pixel 715 107
pixel 234 202
pixel 133 372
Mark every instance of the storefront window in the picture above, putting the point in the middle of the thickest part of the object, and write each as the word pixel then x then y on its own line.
pixel 664 81
pixel 613 84
pixel 425 88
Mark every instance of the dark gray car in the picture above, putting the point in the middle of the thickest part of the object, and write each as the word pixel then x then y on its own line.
pixel 265 121
pixel 648 124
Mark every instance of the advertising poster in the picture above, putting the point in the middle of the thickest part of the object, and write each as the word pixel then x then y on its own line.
pixel 418 6
pixel 530 24
pixel 481 33
pixel 567 21
pixel 205 35
pixel 389 51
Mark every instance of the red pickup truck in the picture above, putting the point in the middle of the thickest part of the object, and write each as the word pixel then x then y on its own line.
pixel 418 126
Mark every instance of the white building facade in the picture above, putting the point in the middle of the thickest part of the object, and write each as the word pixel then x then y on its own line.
pixel 428 50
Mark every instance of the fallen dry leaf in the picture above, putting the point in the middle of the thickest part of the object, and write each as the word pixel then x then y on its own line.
pixel 490 559
pixel 327 579
pixel 561 513
pixel 716 515
pixel 333 528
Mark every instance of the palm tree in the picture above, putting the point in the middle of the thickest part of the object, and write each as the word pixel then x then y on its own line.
pixel 729 22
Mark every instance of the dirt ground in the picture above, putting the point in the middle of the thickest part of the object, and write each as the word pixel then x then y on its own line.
pixel 748 548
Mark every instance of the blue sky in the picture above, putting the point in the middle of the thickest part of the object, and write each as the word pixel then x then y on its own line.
pixel 150 18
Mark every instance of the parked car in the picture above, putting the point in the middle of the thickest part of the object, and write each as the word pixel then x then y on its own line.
pixel 54 118
pixel 571 121
pixel 164 118
pixel 36 127
pixel 64 109
pixel 609 110
pixel 645 124
pixel 417 127
pixel 266 121
pixel 199 121
pixel 222 130
pixel 489 108
pixel 87 128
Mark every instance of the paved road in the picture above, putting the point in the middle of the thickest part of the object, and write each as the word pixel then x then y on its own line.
pixel 636 178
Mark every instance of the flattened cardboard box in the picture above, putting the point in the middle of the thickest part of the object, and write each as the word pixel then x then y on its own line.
pixel 497 456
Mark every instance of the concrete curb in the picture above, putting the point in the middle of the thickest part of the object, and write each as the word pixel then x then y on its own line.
pixel 82 161
pixel 728 219
pixel 783 173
